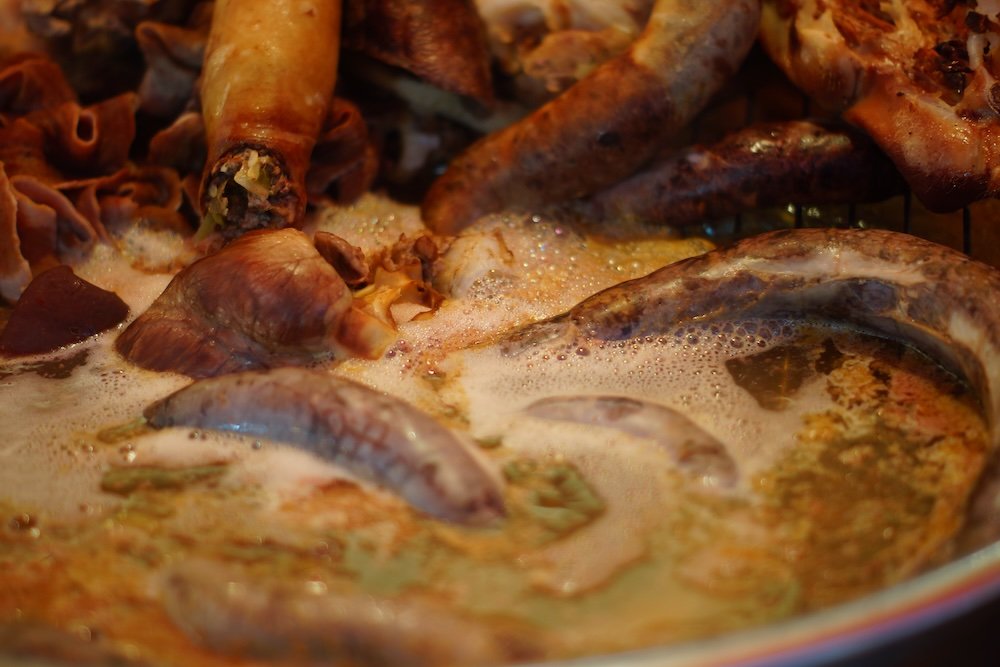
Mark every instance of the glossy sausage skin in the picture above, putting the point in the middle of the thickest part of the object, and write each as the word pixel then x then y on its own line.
pixel 607 125
pixel 896 285
pixel 267 81
pixel 770 164
pixel 376 435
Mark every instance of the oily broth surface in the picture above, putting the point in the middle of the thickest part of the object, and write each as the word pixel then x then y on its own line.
pixel 855 457
pixel 683 368
pixel 822 422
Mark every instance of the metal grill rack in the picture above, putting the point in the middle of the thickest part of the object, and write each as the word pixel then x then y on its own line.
pixel 762 93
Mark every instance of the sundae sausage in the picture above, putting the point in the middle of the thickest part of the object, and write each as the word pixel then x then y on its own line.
pixel 225 610
pixel 608 124
pixel 267 82
pixel 795 162
pixel 378 436
pixel 691 448
pixel 893 284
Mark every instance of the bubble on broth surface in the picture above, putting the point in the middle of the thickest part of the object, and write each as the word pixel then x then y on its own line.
pixel 547 267
pixel 52 457
pixel 655 534
pixel 684 368
pixel 58 445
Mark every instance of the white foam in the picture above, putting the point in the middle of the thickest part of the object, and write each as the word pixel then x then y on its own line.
pixel 50 426
pixel 51 455
pixel 683 369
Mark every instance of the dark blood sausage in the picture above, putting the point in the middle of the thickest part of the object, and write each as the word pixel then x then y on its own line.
pixel 608 124
pixel 793 162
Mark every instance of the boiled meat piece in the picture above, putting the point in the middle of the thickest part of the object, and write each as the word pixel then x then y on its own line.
pixel 267 299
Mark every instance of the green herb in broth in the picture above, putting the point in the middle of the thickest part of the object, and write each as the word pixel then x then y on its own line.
pixel 385 574
pixel 872 488
pixel 127 479
pixel 554 495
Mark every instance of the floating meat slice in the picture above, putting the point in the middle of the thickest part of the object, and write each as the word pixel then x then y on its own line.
pixel 266 299
pixel 350 424
pixel 692 449
pixel 607 125
pixel 795 162
pixel 57 309
pixel 232 614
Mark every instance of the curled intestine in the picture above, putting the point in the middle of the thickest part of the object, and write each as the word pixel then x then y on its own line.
pixel 94 42
pixel 344 161
pixel 148 195
pixel 29 82
pixel 173 56
pixel 67 174
pixel 88 141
